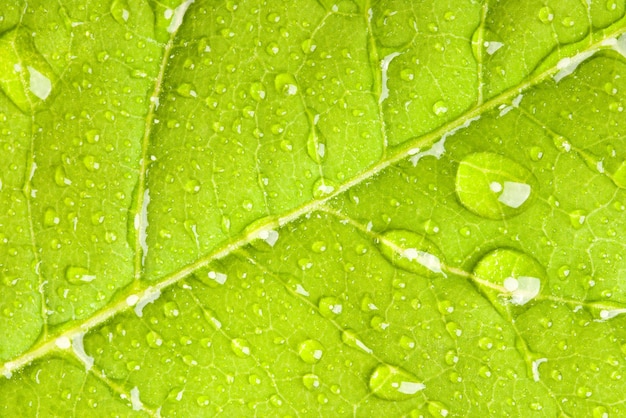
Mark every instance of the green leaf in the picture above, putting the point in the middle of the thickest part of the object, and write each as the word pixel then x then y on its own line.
pixel 389 208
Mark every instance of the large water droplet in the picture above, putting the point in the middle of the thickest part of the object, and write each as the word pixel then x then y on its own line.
pixel 411 252
pixel 310 351
pixel 286 84
pixel 394 384
pixel 25 75
pixel 509 277
pixel 330 307
pixel 240 347
pixel 120 11
pixel 494 186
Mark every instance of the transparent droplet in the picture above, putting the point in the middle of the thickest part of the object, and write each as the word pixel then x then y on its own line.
pixel 240 347
pixel 154 339
pixel 311 381
pixel 91 163
pixel 323 188
pixel 494 186
pixel 78 275
pixel 192 186
pixel 330 307
pixel 412 252
pixel 60 178
pixel 286 84
pixel 394 384
pixel 257 91
pixel 440 108
pixel 120 11
pixel 310 351
pixel 351 339
pixel 186 90
pixel 546 15
pixel 509 277
pixel 577 218
pixel 170 309
pixel 51 217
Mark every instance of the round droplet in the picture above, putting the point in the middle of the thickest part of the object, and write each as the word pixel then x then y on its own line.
pixel 412 252
pixel 546 15
pixel 311 351
pixel 78 275
pixel 286 84
pixel 153 339
pixel 494 186
pixel 394 384
pixel 170 309
pixel 51 217
pixel 330 307
pixel 440 108
pixel 509 277
pixel 323 188
pixel 311 381
pixel 257 91
pixel 240 347
pixel 604 310
pixel 91 163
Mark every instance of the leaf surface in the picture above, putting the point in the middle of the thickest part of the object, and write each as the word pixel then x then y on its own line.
pixel 359 208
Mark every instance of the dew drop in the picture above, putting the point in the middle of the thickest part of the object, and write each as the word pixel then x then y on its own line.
pixel 311 351
pixel 170 310
pixel 186 90
pixel 120 11
pixel 91 163
pixel 330 307
pixel 351 339
pixel 394 384
pixel 311 381
pixel 493 186
pixel 154 339
pixel 240 347
pixel 546 15
pixel 323 188
pixel 192 186
pixel 60 178
pixel 286 84
pixel 51 217
pixel 437 409
pixel 509 277
pixel 440 108
pixel 257 91
pixel 78 275
pixel 577 218
pixel 604 310
pixel 411 252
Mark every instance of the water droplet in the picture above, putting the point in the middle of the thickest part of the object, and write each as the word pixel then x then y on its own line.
pixel 310 351
pixel 536 153
pixel 509 277
pixel 378 323
pixel 186 90
pixel 154 339
pixel 394 384
pixel 91 163
pixel 407 74
pixel 330 307
pixel 323 188
pixel 577 218
pixel 605 309
pixel 546 15
pixel 485 343
pixel 494 186
pixel 192 186
pixel 600 412
pixel 454 329
pixel 286 84
pixel 437 409
pixel 78 275
pixel 584 392
pixel 170 309
pixel 407 343
pixel 311 381
pixel 440 108
pixel 351 339
pixel 257 91
pixel 51 217
pixel 60 178
pixel 240 347
pixel 120 11
pixel 308 46
pixel 412 252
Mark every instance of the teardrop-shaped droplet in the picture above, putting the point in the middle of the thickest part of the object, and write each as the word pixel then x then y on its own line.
pixel 394 384
pixel 494 186
pixel 351 339
pixel 605 309
pixel 412 252
pixel 509 277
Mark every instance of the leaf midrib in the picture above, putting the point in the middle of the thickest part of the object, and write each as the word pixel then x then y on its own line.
pixel 147 290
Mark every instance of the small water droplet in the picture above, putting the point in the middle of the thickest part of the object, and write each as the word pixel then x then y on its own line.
pixel 494 186
pixel 78 275
pixel 412 252
pixel 308 46
pixel 192 186
pixel 91 163
pixel 240 347
pixel 51 217
pixel 154 339
pixel 440 108
pixel 311 351
pixel 508 277
pixel 186 90
pixel 311 381
pixel 394 384
pixel 577 218
pixel 546 15
pixel 170 309
pixel 257 91
pixel 485 343
pixel 438 409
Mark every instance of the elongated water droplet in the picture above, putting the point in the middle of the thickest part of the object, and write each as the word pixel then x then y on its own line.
pixel 411 252
pixel 311 351
pixel 494 186
pixel 351 339
pixel 240 347
pixel 509 277
pixel 605 310
pixel 78 275
pixel 394 384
